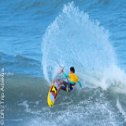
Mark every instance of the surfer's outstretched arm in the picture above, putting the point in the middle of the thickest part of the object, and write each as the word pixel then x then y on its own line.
pixel 65 75
pixel 79 84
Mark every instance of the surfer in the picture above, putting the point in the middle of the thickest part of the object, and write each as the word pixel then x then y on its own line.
pixel 72 79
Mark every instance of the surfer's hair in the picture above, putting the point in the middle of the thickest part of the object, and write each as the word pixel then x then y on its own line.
pixel 72 69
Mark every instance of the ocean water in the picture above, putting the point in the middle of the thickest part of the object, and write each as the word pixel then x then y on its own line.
pixel 37 36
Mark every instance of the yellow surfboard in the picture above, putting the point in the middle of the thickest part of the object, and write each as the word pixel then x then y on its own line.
pixel 53 92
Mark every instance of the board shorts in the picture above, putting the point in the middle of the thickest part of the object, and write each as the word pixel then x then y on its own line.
pixel 67 86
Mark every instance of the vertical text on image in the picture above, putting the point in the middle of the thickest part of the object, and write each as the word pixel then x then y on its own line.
pixel 2 96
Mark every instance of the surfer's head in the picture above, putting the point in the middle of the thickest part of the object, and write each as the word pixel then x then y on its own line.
pixel 72 70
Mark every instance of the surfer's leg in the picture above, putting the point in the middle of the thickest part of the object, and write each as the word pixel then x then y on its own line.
pixel 65 83
pixel 64 86
pixel 71 86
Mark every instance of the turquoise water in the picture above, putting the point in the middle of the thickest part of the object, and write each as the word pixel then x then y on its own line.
pixel 38 36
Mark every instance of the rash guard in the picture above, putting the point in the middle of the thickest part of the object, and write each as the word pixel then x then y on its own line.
pixel 73 78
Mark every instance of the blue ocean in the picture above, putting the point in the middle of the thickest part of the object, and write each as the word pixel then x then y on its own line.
pixel 38 36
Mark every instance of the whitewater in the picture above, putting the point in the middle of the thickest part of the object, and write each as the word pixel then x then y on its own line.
pixel 37 37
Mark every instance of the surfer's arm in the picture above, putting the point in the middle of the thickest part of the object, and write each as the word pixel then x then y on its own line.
pixel 79 84
pixel 65 75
